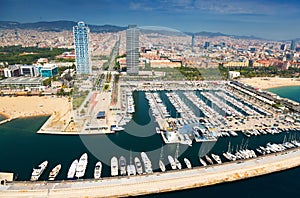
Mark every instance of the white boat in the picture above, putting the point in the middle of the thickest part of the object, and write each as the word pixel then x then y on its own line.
pixel 131 170
pixel 72 169
pixel 202 162
pixel 147 163
pixel 216 158
pixel 114 166
pixel 172 162
pixel 157 130
pixel 81 166
pixel 178 164
pixel 188 163
pixel 116 128
pixel 37 172
pixel 162 166
pixel 54 172
pixel 209 159
pixel 138 165
pixel 122 165
pixel 98 170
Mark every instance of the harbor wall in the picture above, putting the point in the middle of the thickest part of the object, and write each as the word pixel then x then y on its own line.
pixel 157 182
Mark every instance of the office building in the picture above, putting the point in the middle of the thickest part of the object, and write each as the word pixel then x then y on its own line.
pixel 82 53
pixel 193 42
pixel 132 50
pixel 48 70
pixel 282 47
pixel 12 71
pixel 206 45
pixel 29 70
pixel 293 44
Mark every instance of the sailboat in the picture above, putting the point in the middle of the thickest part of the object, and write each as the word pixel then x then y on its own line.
pixel 130 167
pixel 160 163
pixel 178 164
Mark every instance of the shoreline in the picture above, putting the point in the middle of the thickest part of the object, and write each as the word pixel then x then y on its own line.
pixel 265 83
pixel 157 182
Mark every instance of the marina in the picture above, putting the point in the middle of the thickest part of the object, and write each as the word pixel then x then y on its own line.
pixel 242 147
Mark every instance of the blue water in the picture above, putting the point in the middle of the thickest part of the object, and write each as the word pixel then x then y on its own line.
pixel 21 149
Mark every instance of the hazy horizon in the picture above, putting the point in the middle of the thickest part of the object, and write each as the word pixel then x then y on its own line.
pixel 269 19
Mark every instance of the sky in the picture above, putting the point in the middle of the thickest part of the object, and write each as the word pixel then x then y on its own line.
pixel 270 19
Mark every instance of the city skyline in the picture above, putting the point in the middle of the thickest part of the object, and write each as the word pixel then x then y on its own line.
pixel 267 19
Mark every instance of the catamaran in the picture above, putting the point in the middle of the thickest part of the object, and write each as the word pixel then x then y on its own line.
pixel 114 166
pixel 54 172
pixel 37 172
pixel 81 166
pixel 72 169
pixel 98 170
pixel 138 165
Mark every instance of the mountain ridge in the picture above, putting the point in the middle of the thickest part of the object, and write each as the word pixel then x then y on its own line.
pixel 62 25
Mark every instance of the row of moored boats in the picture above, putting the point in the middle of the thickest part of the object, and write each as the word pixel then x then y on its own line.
pixel 78 167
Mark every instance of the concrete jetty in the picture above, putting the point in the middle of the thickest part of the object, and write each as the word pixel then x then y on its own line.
pixel 156 182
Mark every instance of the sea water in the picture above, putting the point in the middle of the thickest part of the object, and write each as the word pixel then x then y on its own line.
pixel 22 149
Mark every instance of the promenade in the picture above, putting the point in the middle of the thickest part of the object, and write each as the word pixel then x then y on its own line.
pixel 156 182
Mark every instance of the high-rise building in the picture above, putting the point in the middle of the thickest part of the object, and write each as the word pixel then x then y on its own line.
pixel 132 50
pixel 293 43
pixel 81 42
pixel 206 45
pixel 282 47
pixel 193 42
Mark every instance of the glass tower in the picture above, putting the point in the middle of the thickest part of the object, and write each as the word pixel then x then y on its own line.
pixel 293 43
pixel 132 50
pixel 81 42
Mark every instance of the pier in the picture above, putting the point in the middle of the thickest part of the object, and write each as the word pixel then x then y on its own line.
pixel 156 182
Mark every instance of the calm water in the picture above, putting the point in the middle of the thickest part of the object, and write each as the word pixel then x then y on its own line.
pixel 21 149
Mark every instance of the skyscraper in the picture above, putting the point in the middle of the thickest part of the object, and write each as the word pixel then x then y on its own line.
pixel 193 42
pixel 293 43
pixel 206 44
pixel 81 42
pixel 132 50
pixel 282 46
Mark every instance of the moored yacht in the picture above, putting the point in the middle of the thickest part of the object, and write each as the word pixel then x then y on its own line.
pixel 72 169
pixel 172 162
pixel 202 161
pixel 138 165
pixel 98 170
pixel 131 169
pixel 216 158
pixel 188 163
pixel 162 166
pixel 122 165
pixel 147 163
pixel 114 166
pixel 37 172
pixel 81 166
pixel 209 159
pixel 54 172
pixel 178 164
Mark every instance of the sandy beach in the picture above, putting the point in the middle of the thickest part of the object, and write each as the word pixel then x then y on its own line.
pixel 24 106
pixel 267 82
